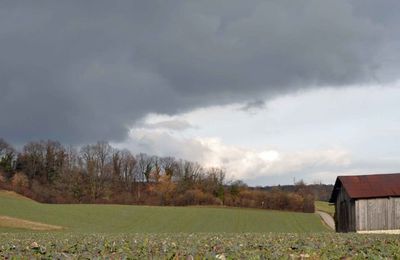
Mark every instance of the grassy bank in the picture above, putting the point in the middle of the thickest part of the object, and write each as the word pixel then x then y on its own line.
pixel 146 219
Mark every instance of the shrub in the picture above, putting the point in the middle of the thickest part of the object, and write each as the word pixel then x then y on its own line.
pixel 19 181
pixel 2 178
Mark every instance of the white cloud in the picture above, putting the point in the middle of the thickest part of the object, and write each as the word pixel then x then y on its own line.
pixel 172 124
pixel 314 135
pixel 240 163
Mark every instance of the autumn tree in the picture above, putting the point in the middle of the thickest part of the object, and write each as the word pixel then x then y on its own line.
pixel 98 173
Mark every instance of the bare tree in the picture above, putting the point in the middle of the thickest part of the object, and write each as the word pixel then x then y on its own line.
pixel 170 166
pixel 188 173
pixel 32 160
pixel 157 168
pixel 4 147
pixel 128 164
pixel 145 166
pixel 72 159
pixel 55 157
pixel 214 182
pixel 96 158
pixel 124 168
pixel 7 157
pixel 102 152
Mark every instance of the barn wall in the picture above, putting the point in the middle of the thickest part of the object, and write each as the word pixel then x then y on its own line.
pixel 345 218
pixel 377 214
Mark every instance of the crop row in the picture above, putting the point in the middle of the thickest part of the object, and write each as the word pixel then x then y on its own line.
pixel 198 246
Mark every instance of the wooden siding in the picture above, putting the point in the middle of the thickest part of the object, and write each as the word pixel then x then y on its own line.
pixel 345 219
pixel 377 214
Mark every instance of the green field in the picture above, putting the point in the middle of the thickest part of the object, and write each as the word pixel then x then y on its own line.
pixel 146 219
pixel 325 207
pixel 140 232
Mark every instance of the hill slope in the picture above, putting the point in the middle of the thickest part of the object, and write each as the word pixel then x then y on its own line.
pixel 127 219
pixel 325 207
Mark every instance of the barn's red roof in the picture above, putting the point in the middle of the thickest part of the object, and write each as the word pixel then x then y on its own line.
pixel 368 186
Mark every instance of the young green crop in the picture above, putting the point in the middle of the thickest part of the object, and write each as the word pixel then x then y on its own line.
pixel 199 246
pixel 145 219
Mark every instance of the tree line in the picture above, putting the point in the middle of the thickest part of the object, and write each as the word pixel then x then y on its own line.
pixel 319 190
pixel 50 172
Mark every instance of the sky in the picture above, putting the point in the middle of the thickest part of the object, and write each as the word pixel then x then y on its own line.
pixel 271 91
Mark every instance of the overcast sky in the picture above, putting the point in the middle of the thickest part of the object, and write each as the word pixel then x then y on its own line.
pixel 270 90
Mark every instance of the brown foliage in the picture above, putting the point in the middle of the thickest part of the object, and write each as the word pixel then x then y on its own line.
pixel 48 172
pixel 19 181
pixel 3 179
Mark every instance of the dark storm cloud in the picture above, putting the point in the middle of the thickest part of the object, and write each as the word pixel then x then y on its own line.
pixel 80 71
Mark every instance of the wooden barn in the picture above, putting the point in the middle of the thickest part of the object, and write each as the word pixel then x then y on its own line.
pixel 367 203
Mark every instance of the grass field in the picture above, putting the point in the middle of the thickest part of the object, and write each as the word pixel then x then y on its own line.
pixel 138 232
pixel 325 207
pixel 146 219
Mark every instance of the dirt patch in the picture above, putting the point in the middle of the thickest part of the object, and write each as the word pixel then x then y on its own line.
pixel 11 222
pixel 327 219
